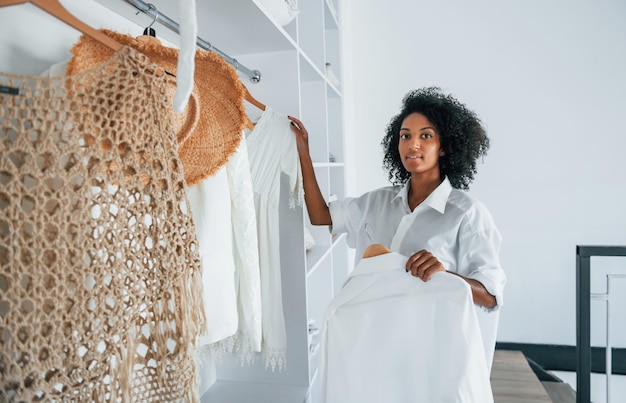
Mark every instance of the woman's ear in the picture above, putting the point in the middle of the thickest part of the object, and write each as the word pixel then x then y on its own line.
pixel 442 153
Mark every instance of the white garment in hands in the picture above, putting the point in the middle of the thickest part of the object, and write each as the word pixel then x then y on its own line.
pixel 390 337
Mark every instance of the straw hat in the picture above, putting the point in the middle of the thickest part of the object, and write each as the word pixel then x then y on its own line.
pixel 210 128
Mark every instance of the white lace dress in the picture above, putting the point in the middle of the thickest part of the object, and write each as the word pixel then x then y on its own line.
pixel 272 151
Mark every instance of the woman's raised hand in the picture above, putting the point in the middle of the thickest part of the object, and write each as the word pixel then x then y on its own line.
pixel 302 136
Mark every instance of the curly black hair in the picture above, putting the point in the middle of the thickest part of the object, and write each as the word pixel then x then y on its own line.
pixel 462 136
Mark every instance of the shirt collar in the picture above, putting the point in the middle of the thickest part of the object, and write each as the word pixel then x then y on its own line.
pixel 375 264
pixel 436 200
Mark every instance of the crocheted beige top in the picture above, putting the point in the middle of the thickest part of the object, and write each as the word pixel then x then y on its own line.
pixel 100 295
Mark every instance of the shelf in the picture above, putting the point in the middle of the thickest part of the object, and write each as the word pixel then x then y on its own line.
pixel 333 91
pixel 311 31
pixel 318 253
pixel 242 392
pixel 309 71
pixel 289 30
pixel 314 256
pixel 218 23
pixel 330 16
pixel 328 164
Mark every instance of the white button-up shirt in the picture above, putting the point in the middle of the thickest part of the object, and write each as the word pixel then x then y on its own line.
pixel 387 337
pixel 451 224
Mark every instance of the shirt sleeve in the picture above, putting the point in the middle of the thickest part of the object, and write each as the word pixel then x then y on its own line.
pixel 479 253
pixel 338 213
pixel 348 216
pixel 290 161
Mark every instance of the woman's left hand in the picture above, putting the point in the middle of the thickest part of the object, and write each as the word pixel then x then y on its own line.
pixel 423 264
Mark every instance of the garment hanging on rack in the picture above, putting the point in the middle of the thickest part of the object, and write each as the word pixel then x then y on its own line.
pixel 389 337
pixel 230 260
pixel 275 153
pixel 248 338
pixel 209 130
pixel 217 104
pixel 98 247
pixel 211 207
pixel 185 66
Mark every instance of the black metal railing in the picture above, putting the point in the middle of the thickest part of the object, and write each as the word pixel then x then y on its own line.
pixel 583 314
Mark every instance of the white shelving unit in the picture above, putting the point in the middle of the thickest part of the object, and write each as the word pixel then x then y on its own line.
pixel 293 62
pixel 294 82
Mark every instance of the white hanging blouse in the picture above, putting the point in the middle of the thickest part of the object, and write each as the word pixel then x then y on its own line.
pixel 211 209
pixel 247 340
pixel 223 208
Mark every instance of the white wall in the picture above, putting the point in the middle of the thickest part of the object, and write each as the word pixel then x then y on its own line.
pixel 548 79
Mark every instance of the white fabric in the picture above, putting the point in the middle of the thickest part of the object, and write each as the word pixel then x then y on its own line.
pixel 56 70
pixel 282 11
pixel 225 217
pixel 272 152
pixel 210 206
pixel 389 337
pixel 452 225
pixel 188 28
pixel 488 321
pixel 248 338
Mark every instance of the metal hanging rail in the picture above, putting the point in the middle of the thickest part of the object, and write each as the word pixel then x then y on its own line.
pixel 152 11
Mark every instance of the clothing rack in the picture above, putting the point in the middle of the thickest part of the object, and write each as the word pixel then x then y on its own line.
pixel 152 11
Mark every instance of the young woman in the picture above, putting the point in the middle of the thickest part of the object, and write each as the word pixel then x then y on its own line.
pixel 431 150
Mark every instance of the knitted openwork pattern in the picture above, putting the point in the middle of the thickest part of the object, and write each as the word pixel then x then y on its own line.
pixel 99 270
pixel 209 129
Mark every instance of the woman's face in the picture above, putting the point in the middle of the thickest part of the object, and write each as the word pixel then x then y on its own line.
pixel 419 145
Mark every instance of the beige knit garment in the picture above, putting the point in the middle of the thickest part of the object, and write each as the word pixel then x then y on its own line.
pixel 100 295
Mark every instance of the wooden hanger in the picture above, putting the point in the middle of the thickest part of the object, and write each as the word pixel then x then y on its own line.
pixel 248 97
pixel 54 7
pixel 248 123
